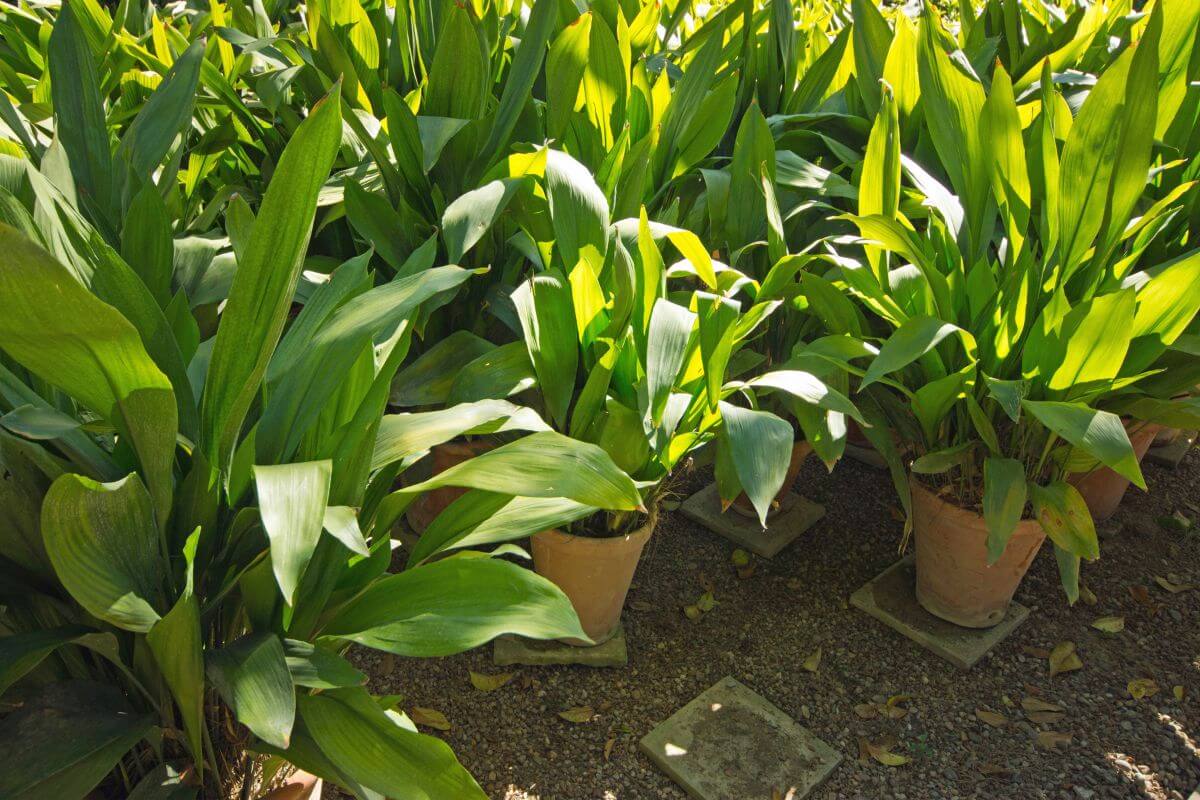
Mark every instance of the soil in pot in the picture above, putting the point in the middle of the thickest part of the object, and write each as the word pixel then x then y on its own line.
pixel 441 458
pixel 1102 488
pixel 954 580
pixel 593 572
pixel 744 507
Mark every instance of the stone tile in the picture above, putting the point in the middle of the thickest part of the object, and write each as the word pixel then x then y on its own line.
pixel 892 599
pixel 1169 455
pixel 732 743
pixel 866 455
pixel 794 516
pixel 533 652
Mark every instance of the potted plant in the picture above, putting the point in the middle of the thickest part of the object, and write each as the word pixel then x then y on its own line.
pixel 1007 352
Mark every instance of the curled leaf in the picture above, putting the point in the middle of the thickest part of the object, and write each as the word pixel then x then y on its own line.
pixel 1034 705
pixel 1172 584
pixel 1063 658
pixel 430 718
pixel 1142 687
pixel 881 751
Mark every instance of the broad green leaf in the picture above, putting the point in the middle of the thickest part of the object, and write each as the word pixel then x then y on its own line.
pixel 147 244
pixel 59 331
pixel 458 84
pixel 65 739
pixel 1166 304
pixel 578 210
pixel 252 677
pixel 342 524
pixel 1095 337
pixel 405 437
pixel 22 652
pixel 291 499
pixel 318 668
pixel 369 746
pixel 808 388
pixel 760 448
pixel 453 605
pixel 165 115
pixel 266 279
pixel 1097 433
pixel 939 461
pixel 1004 496
pixel 913 339
pixel 105 548
pixel 547 313
pixel 545 464
pixel 429 379
pixel 1065 517
pixel 667 342
pixel 471 215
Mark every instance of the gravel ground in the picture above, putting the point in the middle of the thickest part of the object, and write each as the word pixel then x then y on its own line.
pixel 766 625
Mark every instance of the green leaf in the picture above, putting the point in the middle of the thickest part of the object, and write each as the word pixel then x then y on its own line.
pixel 916 337
pixel 1166 304
pixel 59 331
pixel 472 214
pixel 252 677
pixel 545 464
pixel 578 210
pixel 1004 494
pixel 175 640
pixel 266 279
pixel 342 524
pixel 291 499
pixel 429 379
pixel 458 76
pixel 1094 337
pixel 374 750
pixel 808 388
pixel 1098 433
pixel 760 447
pixel 453 605
pixel 938 461
pixel 405 437
pixel 318 668
pixel 547 313
pixel 64 740
pixel 105 548
pixel 667 341
pixel 164 116
pixel 22 652
pixel 1065 517
pixel 147 244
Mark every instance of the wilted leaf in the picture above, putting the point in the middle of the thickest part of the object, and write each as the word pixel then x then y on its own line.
pixel 813 661
pixel 1035 652
pixel 881 752
pixel 1178 692
pixel 1176 523
pixel 747 571
pixel 1063 658
pixel 1109 624
pixel 866 710
pixel 692 612
pixel 740 558
pixel 1050 740
pixel 1171 584
pixel 1087 595
pixel 577 714
pixel 430 718
pixel 608 748
pixel 706 602
pixel 991 718
pixel 1036 705
pixel 1044 717
pixel 1142 687
pixel 641 606
pixel 489 683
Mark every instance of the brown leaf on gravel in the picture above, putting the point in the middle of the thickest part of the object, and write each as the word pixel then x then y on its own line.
pixel 894 708
pixel 991 718
pixel 1063 658
pixel 1142 687
pixel 740 558
pixel 577 714
pixel 430 718
pixel 1050 740
pixel 1109 624
pixel 747 571
pixel 489 683
pixel 705 582
pixel 881 751
pixel 692 612
pixel 641 606
pixel 1178 692
pixel 1044 717
pixel 866 710
pixel 387 665
pixel 1087 595
pixel 813 661
pixel 994 769
pixel 1035 652
pixel 706 602
pixel 1172 584
pixel 1036 705
pixel 608 748
pixel 1141 595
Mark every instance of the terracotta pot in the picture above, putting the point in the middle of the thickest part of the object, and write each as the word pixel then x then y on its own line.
pixel 1103 488
pixel 442 457
pixel 954 580
pixel 300 785
pixel 594 573
pixel 800 451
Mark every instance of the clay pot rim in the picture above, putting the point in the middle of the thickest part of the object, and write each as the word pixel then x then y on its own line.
pixel 641 533
pixel 915 484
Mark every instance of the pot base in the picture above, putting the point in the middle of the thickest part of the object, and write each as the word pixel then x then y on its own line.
pixel 797 515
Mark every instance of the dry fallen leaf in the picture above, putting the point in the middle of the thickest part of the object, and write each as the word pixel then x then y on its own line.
pixel 641 606
pixel 489 683
pixel 1050 740
pixel 1172 584
pixel 1109 624
pixel 1035 652
pixel 1034 705
pixel 881 752
pixel 991 718
pixel 1142 687
pixel 692 612
pixel 1063 658
pixel 430 718
pixel 1087 595
pixel 795 584
pixel 1178 692
pixel 1044 717
pixel 866 710
pixel 747 571
pixel 740 558
pixel 813 661
pixel 706 602
pixel 608 747
pixel 578 714
pixel 994 769
pixel 1141 595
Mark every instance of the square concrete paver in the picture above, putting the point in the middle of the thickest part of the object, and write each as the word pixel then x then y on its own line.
pixel 731 743
pixel 794 516
pixel 1169 455
pixel 892 599
pixel 533 652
